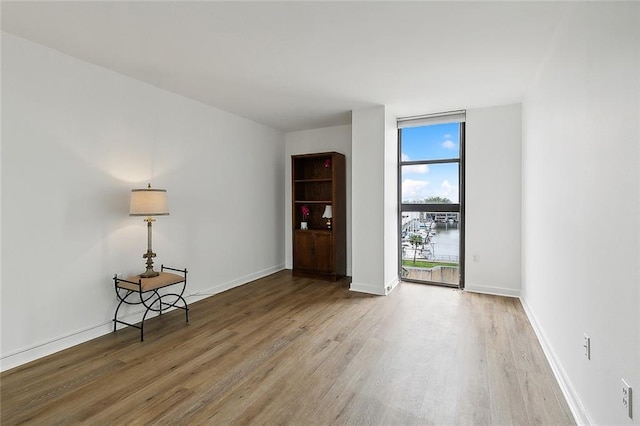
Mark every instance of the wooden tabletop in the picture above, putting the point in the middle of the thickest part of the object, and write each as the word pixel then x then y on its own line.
pixel 162 280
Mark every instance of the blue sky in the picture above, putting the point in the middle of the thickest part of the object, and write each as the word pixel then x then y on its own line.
pixel 440 141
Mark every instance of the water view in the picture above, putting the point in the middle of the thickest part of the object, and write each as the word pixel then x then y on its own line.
pixel 430 247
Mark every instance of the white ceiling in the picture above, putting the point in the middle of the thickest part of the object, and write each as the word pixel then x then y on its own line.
pixel 303 65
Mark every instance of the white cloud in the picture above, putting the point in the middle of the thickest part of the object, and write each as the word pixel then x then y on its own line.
pixel 448 191
pixel 448 144
pixel 416 168
pixel 447 136
pixel 404 157
pixel 414 189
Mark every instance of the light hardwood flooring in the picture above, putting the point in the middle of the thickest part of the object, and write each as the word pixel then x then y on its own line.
pixel 289 350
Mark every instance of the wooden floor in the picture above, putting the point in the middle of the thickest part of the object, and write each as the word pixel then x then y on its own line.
pixel 288 350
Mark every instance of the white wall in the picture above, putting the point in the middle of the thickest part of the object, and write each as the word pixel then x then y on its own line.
pixel 327 139
pixel 371 218
pixel 493 194
pixel 581 196
pixel 391 209
pixel 76 138
pixel 367 200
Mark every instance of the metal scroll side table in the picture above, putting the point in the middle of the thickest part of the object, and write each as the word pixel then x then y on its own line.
pixel 145 291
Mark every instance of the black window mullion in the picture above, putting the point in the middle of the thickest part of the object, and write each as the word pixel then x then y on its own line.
pixel 420 162
pixel 437 208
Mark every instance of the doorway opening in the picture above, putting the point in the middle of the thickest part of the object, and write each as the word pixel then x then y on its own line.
pixel 431 199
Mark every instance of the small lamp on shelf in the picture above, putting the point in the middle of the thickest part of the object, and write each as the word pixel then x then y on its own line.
pixel 149 202
pixel 328 214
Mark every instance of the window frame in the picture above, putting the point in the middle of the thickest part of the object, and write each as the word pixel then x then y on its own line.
pixel 435 207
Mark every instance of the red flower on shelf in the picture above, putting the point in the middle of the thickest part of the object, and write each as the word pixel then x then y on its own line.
pixel 305 212
pixel 327 162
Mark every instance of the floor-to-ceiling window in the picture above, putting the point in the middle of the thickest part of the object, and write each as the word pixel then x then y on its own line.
pixel 432 198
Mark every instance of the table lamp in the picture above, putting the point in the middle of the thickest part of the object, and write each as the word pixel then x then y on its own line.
pixel 149 202
pixel 328 214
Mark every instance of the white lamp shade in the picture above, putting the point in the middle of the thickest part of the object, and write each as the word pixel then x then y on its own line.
pixel 328 212
pixel 148 202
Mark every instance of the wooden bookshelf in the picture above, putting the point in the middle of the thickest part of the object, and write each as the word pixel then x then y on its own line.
pixel 318 181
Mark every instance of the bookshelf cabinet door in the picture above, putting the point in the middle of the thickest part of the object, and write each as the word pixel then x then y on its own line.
pixel 303 250
pixel 323 252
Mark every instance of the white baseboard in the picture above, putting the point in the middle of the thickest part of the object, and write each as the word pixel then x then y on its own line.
pixel 390 286
pixel 66 341
pixel 43 349
pixel 367 288
pixel 497 291
pixel 575 405
pixel 219 288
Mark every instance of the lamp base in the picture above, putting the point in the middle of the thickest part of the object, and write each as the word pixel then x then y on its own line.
pixel 149 274
pixel 149 255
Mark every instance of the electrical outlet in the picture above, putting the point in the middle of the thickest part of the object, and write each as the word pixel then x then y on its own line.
pixel 587 347
pixel 627 398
